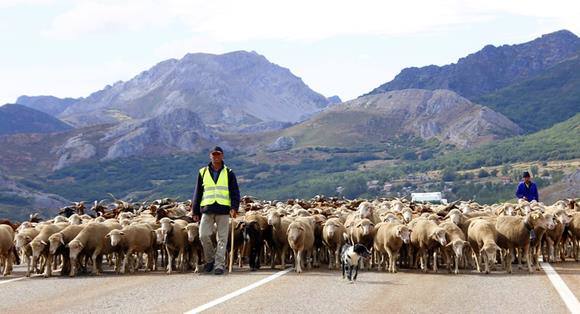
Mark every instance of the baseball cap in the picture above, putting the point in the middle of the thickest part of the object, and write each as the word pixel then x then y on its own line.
pixel 217 149
pixel 526 174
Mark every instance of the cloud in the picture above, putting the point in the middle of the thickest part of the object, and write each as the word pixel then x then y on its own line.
pixel 17 3
pixel 234 20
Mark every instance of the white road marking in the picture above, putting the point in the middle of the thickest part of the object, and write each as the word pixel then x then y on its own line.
pixel 239 292
pixel 567 296
pixel 16 279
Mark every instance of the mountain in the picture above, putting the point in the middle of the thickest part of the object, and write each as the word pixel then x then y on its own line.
pixel 491 68
pixel 47 104
pixel 332 100
pixel 176 131
pixel 542 101
pixel 232 90
pixel 439 114
pixel 18 201
pixel 16 119
pixel 179 131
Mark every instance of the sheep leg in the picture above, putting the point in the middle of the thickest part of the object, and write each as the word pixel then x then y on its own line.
pixel 73 267
pixel 28 264
pixel 476 258
pixel 486 261
pixel 181 260
pixel 48 268
pixel 528 257
pixel 309 259
pixel 330 260
pixel 382 259
pixel 298 255
pixel 551 255
pixel 435 261
pixel 95 263
pixel 170 259
pixel 275 254
pixel 392 260
pixel 388 258
pixel 456 264
pixel 7 266
pixel 315 258
pixel 423 259
pixel 125 261
pixel 536 257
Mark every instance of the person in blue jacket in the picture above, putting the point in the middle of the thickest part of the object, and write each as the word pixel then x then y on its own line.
pixel 527 189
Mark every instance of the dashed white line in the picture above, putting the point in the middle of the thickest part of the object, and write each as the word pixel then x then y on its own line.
pixel 565 293
pixel 239 292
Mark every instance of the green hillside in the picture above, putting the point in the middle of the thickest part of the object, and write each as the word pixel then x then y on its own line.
pixel 541 101
pixel 560 142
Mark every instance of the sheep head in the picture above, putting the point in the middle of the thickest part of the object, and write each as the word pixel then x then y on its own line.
pixel 192 230
pixel 55 241
pixel 75 247
pixel 366 226
pixel 274 218
pixel 115 236
pixel 439 235
pixel 404 233
pixel 457 246
pixel 455 216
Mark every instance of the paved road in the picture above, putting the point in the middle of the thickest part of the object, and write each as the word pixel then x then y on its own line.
pixel 314 291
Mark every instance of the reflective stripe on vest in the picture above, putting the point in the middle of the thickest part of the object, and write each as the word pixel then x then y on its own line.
pixel 215 191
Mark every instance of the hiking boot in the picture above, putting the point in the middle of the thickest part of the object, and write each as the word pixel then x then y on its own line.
pixel 218 271
pixel 208 267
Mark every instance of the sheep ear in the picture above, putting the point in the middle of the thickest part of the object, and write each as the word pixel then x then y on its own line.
pixel 122 233
pixel 62 240
pixel 108 236
pixel 465 243
pixel 43 242
pixel 449 244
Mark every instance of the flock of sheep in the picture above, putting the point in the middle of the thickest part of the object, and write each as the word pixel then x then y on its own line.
pixel 305 233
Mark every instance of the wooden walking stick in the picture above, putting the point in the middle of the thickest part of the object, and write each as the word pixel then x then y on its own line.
pixel 232 246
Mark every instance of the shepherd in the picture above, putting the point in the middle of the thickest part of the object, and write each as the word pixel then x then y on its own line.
pixel 216 199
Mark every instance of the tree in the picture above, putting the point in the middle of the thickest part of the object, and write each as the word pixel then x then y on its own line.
pixel 482 173
pixel 534 170
pixel 505 169
pixel 448 174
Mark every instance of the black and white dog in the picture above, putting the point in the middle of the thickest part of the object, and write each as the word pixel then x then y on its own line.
pixel 350 259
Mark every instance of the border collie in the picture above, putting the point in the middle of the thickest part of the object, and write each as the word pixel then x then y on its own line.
pixel 350 259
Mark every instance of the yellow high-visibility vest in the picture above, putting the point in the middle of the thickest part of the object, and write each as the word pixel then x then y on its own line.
pixel 215 191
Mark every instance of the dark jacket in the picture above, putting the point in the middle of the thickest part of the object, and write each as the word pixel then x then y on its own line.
pixel 216 208
pixel 531 192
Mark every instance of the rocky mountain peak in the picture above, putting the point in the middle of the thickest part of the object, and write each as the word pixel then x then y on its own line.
pixel 235 89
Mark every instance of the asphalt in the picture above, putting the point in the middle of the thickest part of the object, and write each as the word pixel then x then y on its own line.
pixel 315 291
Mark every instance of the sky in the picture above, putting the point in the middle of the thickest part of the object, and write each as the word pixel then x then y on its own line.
pixel 71 48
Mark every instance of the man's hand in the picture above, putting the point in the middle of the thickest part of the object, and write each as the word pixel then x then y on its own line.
pixel 195 218
pixel 233 213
